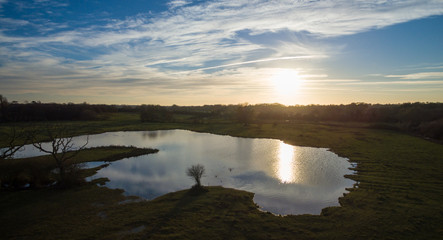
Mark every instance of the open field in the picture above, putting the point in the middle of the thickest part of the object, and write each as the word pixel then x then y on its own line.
pixel 399 193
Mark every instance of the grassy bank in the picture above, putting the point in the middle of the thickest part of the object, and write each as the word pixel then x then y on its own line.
pixel 37 172
pixel 399 191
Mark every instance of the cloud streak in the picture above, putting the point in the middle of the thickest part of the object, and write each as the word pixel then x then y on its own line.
pixel 176 49
pixel 213 27
pixel 421 75
pixel 260 61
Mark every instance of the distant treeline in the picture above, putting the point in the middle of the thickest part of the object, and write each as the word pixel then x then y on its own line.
pixel 37 111
pixel 424 119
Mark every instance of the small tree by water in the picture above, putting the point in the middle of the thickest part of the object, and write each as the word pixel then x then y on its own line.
pixel 15 139
pixel 196 172
pixel 62 149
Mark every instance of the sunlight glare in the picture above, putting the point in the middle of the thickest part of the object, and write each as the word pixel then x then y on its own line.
pixel 285 163
pixel 286 81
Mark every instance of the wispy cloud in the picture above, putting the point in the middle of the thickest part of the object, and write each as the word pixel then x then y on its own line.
pixel 209 31
pixel 178 3
pixel 176 49
pixel 394 83
pixel 261 61
pixel 420 75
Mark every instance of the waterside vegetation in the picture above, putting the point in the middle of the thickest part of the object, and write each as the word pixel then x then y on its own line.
pixel 38 172
pixel 397 194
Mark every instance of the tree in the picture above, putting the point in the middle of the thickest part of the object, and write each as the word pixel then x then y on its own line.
pixel 245 114
pixel 196 172
pixel 16 141
pixel 155 113
pixel 62 149
pixel 3 108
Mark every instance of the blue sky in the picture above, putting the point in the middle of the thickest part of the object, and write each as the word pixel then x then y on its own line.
pixel 208 52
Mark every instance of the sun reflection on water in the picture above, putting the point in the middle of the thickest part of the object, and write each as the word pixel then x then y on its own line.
pixel 285 168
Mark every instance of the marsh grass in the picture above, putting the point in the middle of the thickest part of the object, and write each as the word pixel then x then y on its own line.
pixel 399 194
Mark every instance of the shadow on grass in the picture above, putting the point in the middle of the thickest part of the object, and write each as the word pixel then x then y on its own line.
pixel 185 200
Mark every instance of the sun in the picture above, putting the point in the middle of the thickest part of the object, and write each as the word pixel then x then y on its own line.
pixel 286 82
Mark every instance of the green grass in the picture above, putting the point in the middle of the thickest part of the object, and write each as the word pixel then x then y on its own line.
pixel 399 194
pixel 37 170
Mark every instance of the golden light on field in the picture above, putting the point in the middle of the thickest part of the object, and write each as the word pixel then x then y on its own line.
pixel 286 82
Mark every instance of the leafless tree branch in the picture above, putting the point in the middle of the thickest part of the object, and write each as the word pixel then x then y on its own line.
pixel 16 141
pixel 62 148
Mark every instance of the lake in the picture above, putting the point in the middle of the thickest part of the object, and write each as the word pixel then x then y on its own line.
pixel 285 179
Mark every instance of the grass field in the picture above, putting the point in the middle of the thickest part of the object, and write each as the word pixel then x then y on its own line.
pixel 399 193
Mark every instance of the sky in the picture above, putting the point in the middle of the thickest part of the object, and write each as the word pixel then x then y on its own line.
pixel 196 52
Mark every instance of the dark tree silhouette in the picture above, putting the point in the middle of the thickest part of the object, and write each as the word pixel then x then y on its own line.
pixel 16 141
pixel 3 108
pixel 155 113
pixel 196 172
pixel 245 114
pixel 62 149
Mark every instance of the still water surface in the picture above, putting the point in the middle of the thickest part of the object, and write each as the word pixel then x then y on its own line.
pixel 285 179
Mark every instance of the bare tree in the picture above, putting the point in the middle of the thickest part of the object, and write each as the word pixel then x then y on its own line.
pixel 16 140
pixel 196 172
pixel 62 148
